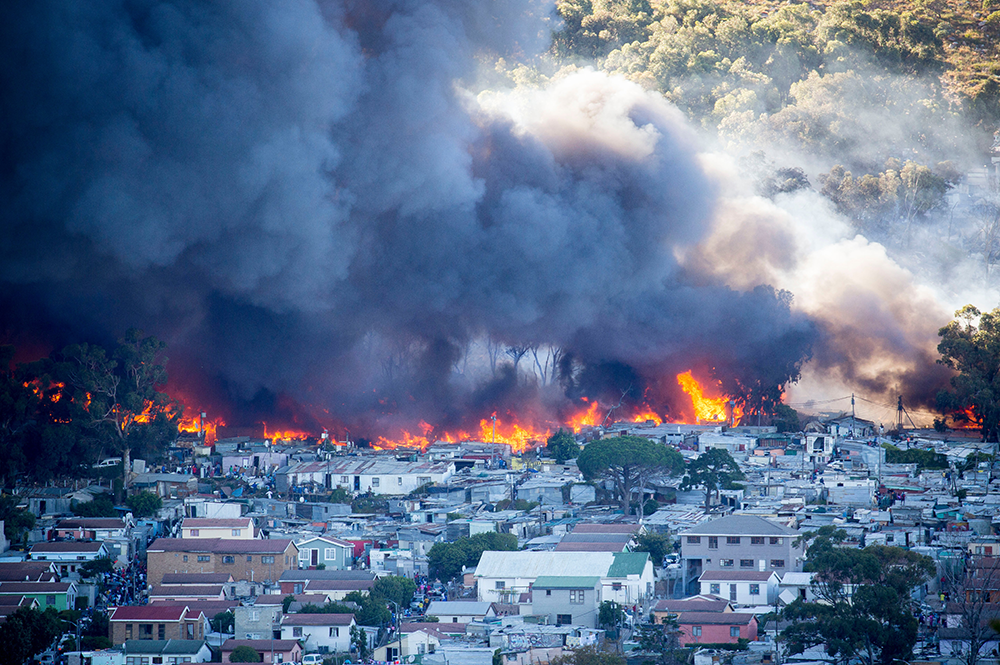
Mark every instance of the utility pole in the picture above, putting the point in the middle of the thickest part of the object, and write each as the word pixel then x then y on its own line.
pixel 854 424
pixel 493 446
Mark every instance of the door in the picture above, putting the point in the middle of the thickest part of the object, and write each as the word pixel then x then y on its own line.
pixel 315 557
pixel 732 592
pixel 357 483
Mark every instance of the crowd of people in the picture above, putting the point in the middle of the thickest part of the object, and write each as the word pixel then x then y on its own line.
pixel 124 586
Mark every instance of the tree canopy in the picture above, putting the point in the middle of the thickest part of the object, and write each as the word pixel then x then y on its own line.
pixel 245 654
pixel 561 446
pixel 862 609
pixel 628 462
pixel 713 470
pixel 970 345
pixel 26 632
pixel 60 414
pixel 144 503
pixel 446 560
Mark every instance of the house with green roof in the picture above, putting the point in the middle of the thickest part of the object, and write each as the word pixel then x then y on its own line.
pixel 625 577
pixel 567 599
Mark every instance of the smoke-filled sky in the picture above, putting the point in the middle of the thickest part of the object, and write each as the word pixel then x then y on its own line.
pixel 319 199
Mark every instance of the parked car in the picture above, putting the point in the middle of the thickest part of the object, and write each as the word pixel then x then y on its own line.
pixel 312 659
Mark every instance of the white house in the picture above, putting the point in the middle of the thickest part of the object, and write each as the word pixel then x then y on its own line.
pixel 325 633
pixel 626 577
pixel 794 586
pixel 742 587
pixel 365 474
pixel 68 556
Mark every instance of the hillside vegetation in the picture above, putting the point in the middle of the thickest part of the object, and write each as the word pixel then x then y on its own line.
pixel 879 105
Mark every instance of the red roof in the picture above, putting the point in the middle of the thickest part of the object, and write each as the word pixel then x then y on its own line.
pixel 148 613
pixel 220 545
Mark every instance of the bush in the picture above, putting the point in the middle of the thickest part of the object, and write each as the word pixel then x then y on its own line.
pixel 244 654
pixel 144 504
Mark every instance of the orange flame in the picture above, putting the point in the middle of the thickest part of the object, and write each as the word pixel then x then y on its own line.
pixel 286 435
pixel 707 409
pixel 591 417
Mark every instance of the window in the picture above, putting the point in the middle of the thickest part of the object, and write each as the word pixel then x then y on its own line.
pixel 330 553
pixel 185 557
pixel 777 563
pixel 694 540
pixel 255 615
pixel 194 533
pixel 734 631
pixel 617 586
pixel 228 559
pixel 128 631
pixel 732 592
pixel 548 592
pixel 399 480
pixel 334 631
pixel 297 631
pixel 423 480
pixel 713 542
pixel 161 631
pixel 375 482
pixel 189 630
pixel 775 540
pixel 344 479
pixel 754 589
pixel 204 557
pixel 746 563
pixel 297 588
pixel 267 559
pixel 50 600
pixel 249 559
pixel 726 563
pixel 696 631
pixel 756 540
pixel 714 589
pixel 237 532
pixel 232 590
pixel 732 540
pixel 576 596
pixel 563 619
pixel 500 585
pixel 145 631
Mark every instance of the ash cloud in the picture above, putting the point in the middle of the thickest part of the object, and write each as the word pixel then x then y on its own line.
pixel 308 198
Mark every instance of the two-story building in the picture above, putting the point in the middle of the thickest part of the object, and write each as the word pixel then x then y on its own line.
pixel 257 622
pixel 738 542
pixel 325 633
pixel 156 622
pixel 254 560
pixel 567 600
pixel 92 528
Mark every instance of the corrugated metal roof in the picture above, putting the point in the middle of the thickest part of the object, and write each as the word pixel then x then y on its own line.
pixel 740 525
pixel 628 563
pixel 528 565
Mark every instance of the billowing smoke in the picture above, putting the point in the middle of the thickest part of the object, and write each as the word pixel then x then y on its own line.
pixel 313 199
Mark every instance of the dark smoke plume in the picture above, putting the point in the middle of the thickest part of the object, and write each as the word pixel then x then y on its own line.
pixel 308 198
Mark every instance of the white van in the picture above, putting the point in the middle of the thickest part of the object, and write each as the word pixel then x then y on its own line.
pixel 312 659
pixel 108 461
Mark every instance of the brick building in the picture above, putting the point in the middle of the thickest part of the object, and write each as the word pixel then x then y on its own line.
pixel 249 560
pixel 156 622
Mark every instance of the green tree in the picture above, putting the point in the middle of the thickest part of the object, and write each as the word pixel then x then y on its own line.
pixel 656 544
pixel 359 642
pixel 26 632
pixel 610 614
pixel 862 611
pixel 223 622
pixel 398 589
pixel 970 345
pixel 561 446
pixel 118 398
pixel 446 560
pixel 100 506
pixel 16 521
pixel 713 470
pixel 104 564
pixel 372 609
pixel 144 504
pixel 629 462
pixel 286 602
pixel 245 654
pixel 325 608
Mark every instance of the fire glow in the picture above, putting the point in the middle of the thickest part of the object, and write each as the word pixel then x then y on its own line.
pixel 508 430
